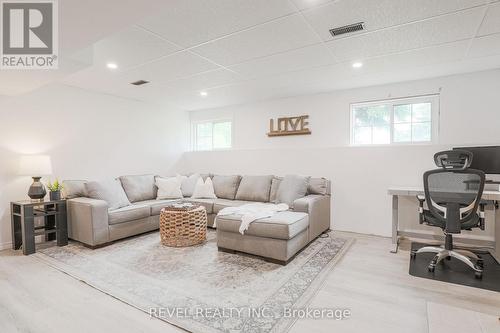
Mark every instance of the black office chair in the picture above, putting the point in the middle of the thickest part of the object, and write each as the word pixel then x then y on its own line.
pixel 453 195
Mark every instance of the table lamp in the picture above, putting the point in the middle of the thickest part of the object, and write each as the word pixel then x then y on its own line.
pixel 35 166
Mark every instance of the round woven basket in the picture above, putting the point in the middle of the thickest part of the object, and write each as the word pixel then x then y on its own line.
pixel 183 227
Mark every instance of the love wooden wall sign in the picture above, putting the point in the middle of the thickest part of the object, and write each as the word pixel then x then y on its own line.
pixel 289 126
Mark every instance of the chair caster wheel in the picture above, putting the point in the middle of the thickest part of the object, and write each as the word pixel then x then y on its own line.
pixel 431 268
pixel 478 275
pixel 480 263
pixel 413 254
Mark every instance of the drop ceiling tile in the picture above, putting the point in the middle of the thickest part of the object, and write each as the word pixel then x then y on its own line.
pixel 131 47
pixel 281 35
pixel 191 22
pixel 378 14
pixel 304 4
pixel 336 75
pixel 485 46
pixel 203 81
pixel 491 23
pixel 449 52
pixel 18 82
pixel 95 78
pixel 439 30
pixel 306 57
pixel 174 66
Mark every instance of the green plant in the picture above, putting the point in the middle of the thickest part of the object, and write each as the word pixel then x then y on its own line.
pixel 55 186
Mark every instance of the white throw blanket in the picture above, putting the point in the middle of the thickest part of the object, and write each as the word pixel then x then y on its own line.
pixel 251 212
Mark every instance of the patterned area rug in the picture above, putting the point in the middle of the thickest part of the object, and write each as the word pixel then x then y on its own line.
pixel 199 288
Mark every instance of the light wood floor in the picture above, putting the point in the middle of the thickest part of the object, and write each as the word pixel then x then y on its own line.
pixel 371 282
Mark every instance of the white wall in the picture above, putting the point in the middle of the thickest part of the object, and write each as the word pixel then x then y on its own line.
pixel 87 135
pixel 470 114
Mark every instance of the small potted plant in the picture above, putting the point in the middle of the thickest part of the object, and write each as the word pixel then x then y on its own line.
pixel 55 190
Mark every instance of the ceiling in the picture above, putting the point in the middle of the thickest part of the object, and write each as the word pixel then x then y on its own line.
pixel 239 51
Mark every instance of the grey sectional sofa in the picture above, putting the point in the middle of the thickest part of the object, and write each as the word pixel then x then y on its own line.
pixel 91 222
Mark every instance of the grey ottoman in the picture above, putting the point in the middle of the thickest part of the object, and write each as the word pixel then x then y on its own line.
pixel 277 238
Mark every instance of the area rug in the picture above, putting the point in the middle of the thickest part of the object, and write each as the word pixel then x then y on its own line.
pixel 198 288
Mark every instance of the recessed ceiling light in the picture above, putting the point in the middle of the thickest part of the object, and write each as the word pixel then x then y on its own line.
pixel 111 65
pixel 203 94
pixel 357 64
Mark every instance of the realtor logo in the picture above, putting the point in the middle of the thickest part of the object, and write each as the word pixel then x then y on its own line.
pixel 29 35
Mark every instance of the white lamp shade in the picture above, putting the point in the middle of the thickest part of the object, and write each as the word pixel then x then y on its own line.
pixel 35 165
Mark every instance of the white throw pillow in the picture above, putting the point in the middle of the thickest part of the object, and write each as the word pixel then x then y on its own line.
pixel 189 183
pixel 169 188
pixel 204 190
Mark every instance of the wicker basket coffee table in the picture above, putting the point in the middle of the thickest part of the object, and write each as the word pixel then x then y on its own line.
pixel 183 226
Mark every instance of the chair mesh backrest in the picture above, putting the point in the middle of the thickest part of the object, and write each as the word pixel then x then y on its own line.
pixel 444 187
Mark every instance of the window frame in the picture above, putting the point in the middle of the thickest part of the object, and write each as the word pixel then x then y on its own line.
pixel 194 133
pixel 433 99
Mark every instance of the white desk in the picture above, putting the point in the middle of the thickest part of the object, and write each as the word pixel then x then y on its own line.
pixel 396 192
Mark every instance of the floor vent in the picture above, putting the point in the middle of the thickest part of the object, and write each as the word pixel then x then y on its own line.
pixel 347 29
pixel 139 83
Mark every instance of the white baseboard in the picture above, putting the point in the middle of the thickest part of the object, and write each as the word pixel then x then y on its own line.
pixel 5 246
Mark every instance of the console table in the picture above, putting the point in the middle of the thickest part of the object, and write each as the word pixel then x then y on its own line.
pixel 54 227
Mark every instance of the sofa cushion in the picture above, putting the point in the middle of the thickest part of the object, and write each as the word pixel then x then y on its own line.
pixel 156 205
pixel 318 186
pixel 283 225
pixel 168 188
pixel 226 186
pixel 139 187
pixel 291 188
pixel 275 184
pixel 110 191
pixel 207 203
pixel 188 184
pixel 254 188
pixel 73 189
pixel 129 213
pixel 223 203
pixel 159 205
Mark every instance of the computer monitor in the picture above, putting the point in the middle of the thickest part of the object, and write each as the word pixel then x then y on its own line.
pixel 485 158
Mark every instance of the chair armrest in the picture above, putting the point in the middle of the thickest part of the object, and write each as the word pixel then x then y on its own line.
pixel 318 208
pixel 88 221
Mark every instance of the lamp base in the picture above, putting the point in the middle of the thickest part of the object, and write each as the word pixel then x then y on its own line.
pixel 37 189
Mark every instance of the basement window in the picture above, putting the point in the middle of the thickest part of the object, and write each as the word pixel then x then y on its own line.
pixel 212 135
pixel 409 120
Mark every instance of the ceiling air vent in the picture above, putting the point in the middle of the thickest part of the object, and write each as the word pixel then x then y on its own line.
pixel 139 83
pixel 347 29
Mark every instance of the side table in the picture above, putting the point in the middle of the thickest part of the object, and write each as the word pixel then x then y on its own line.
pixel 23 214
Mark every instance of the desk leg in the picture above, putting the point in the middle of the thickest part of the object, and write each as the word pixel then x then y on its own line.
pixel 495 252
pixel 395 217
